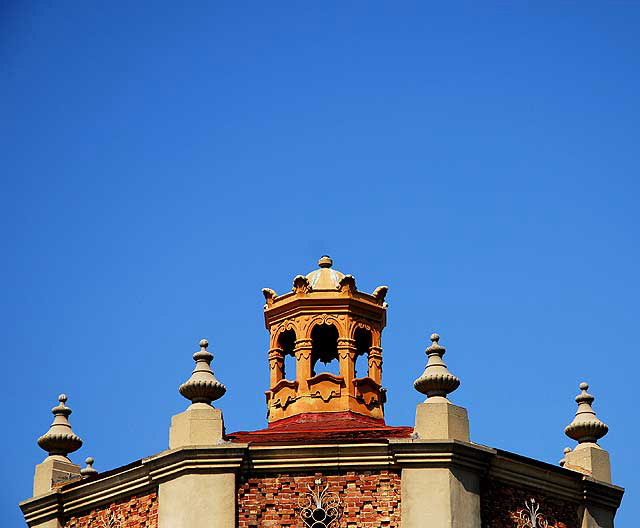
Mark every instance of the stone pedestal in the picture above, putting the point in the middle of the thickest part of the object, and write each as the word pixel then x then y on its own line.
pixel 596 517
pixel 591 459
pixel 198 501
pixel 54 468
pixel 439 419
pixel 440 498
pixel 200 425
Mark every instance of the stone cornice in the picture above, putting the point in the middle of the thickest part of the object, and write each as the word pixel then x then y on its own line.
pixel 144 475
pixel 517 470
pixel 413 453
pixel 42 508
pixel 136 478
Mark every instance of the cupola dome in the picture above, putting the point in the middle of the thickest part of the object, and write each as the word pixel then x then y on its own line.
pixel 325 278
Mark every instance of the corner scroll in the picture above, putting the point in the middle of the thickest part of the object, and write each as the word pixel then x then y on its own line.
pixel 301 284
pixel 269 295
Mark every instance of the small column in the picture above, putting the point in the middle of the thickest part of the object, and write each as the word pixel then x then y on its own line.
pixel 347 359
pixel 201 424
pixel 276 365
pixel 375 364
pixel 437 418
pixel 440 497
pixel 302 353
pixel 58 442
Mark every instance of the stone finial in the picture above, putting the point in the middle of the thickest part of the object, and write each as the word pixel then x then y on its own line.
pixel 585 427
pixel 202 386
pixel 436 379
pixel 89 470
pixel 60 438
pixel 325 261
pixel 563 460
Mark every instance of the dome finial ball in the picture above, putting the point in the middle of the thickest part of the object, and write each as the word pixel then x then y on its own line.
pixel 325 261
pixel 584 386
pixel 204 343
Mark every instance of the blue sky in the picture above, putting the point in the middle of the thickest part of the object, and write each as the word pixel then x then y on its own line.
pixel 162 164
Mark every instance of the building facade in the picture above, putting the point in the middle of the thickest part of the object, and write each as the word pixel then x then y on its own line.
pixel 327 458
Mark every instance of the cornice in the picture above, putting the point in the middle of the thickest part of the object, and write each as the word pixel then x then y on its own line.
pixel 145 475
pixel 370 455
pixel 521 471
pixel 414 453
pixel 138 477
pixel 310 304
pixel 42 508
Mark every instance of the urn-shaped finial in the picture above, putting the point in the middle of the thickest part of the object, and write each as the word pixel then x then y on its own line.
pixel 89 470
pixel 436 379
pixel 586 426
pixel 60 438
pixel 563 460
pixel 202 386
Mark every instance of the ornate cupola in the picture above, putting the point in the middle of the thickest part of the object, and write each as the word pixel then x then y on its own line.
pixel 325 319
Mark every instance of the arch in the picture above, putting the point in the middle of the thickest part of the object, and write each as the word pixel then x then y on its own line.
pixel 363 339
pixel 282 327
pixel 287 343
pixel 324 348
pixel 324 319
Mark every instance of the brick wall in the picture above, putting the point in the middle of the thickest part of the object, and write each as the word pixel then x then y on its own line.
pixel 503 506
pixel 368 498
pixel 133 512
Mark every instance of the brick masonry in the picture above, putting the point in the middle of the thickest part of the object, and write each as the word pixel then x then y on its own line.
pixel 132 512
pixel 501 507
pixel 369 498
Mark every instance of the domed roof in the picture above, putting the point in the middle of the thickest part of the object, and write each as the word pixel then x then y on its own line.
pixel 325 278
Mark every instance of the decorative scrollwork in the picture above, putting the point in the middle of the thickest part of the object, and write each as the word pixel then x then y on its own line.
pixel 320 508
pixel 529 516
pixel 113 520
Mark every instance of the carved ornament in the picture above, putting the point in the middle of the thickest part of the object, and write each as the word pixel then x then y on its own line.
pixel 325 386
pixel 320 508
pixel 529 516
pixel 301 285
pixel 284 393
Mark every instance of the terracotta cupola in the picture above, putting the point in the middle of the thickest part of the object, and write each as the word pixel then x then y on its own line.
pixel 323 319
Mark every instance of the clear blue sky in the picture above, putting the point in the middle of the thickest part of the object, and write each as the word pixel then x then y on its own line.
pixel 162 163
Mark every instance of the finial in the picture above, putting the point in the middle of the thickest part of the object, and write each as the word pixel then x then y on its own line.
pixel 60 438
pixel 586 426
pixel 565 452
pixel 202 386
pixel 89 470
pixel 436 379
pixel 325 261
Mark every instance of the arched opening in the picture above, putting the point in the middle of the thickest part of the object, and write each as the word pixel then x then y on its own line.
pixel 324 348
pixel 363 344
pixel 287 342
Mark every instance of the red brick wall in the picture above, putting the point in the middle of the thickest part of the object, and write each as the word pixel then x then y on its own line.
pixel 502 504
pixel 370 499
pixel 133 512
